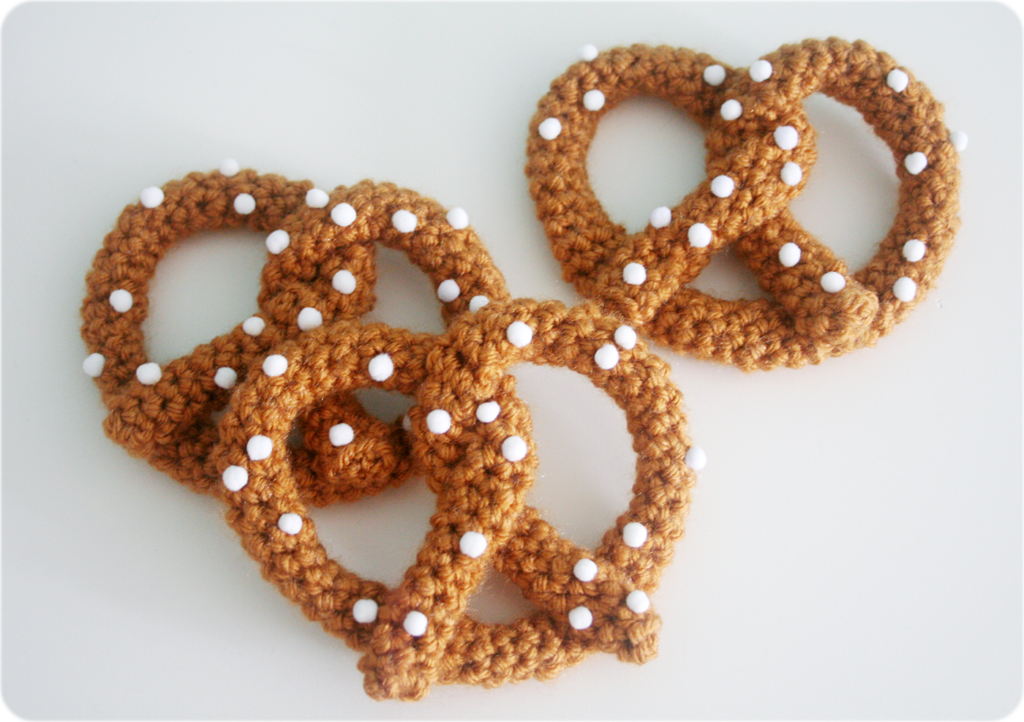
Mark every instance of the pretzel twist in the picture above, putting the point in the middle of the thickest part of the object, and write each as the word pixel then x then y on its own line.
pixel 818 309
pixel 480 478
pixel 324 271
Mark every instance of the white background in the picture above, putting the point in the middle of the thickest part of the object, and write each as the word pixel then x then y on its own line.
pixel 854 545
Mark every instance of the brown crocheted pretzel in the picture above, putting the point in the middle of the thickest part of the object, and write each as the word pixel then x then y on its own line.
pixel 320 267
pixel 760 147
pixel 472 436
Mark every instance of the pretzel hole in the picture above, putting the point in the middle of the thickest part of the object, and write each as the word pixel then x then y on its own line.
pixel 203 287
pixel 378 536
pixel 497 600
pixel 384 405
pixel 727 277
pixel 850 199
pixel 645 154
pixel 406 297
pixel 586 460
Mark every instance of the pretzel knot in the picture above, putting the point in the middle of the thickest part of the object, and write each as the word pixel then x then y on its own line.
pixel 471 437
pixel 320 268
pixel 760 153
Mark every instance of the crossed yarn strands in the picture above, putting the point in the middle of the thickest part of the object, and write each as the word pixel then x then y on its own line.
pixel 297 362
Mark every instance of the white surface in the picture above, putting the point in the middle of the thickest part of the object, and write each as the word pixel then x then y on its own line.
pixel 861 563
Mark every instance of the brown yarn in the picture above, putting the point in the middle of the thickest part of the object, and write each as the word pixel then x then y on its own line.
pixel 169 423
pixel 803 323
pixel 478 488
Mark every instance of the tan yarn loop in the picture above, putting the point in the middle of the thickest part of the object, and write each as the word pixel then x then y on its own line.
pixel 805 323
pixel 478 490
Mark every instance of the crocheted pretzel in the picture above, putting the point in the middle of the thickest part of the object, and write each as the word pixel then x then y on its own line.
pixel 472 436
pixel 320 267
pixel 759 149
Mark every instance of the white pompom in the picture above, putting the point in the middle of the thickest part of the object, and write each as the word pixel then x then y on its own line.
pixel 344 215
pixel 914 250
pixel 259 447
pixel 310 318
pixel 415 623
pixel 585 570
pixel 760 70
pixel 607 357
pixel 731 109
pixel 229 167
pixel 634 534
pixel 244 204
pixel 695 458
pixel 381 367
pixel 638 601
pixel 275 365
pixel 457 218
pixel 699 235
pixel 225 377
pixel 915 162
pixel 634 274
pixel 905 289
pixel 833 282
pixel 473 544
pixel 364 611
pixel 235 478
pixel 341 434
pixel 550 128
pixel 148 373
pixel 254 325
pixel 439 421
pixel 93 364
pixel 897 80
pixel 316 198
pixel 290 523
pixel 121 301
pixel 487 411
pixel 789 254
pixel 625 337
pixel 514 448
pixel 478 302
pixel 791 174
pixel 588 52
pixel 277 241
pixel 959 140
pixel 344 282
pixel 661 216
pixel 593 100
pixel 714 74
pixel 786 137
pixel 580 618
pixel 519 334
pixel 151 197
pixel 723 186
pixel 404 221
pixel 448 291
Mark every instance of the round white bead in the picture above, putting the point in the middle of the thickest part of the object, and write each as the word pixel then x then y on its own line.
pixel 661 216
pixel 310 318
pixel 699 235
pixel 404 221
pixel 638 602
pixel 277 241
pixel 448 291
pixel 254 325
pixel 381 367
pixel 588 52
pixel 634 274
pixel 585 570
pixel 439 421
pixel 344 215
pixel 407 424
pixel 514 448
pixel 833 282
pixel 634 534
pixel 760 70
pixel 580 618
pixel 897 80
pixel 344 282
pixel 723 186
pixel 225 377
pixel 959 140
pixel 457 218
pixel 789 254
pixel 695 458
pixel 607 357
pixel 791 173
pixel 290 523
pixel 93 364
pixel 229 167
pixel 341 434
pixel 519 334
pixel 913 250
pixel 915 162
pixel 714 74
pixel 235 477
pixel 259 447
pixel 121 300
pixel 478 302
pixel 275 365
pixel 731 109
pixel 316 198
pixel 593 100
pixel 244 204
pixel 415 623
pixel 786 137
pixel 151 197
pixel 473 544
pixel 550 128
pixel 625 337
pixel 148 374
pixel 487 412
pixel 905 289
pixel 364 611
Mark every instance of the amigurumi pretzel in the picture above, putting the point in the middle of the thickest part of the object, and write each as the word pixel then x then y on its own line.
pixel 760 150
pixel 472 437
pixel 320 267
